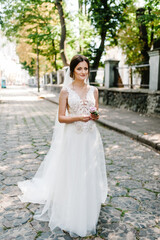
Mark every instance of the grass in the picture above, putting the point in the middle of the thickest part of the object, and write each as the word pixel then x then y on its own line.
pixel 39 233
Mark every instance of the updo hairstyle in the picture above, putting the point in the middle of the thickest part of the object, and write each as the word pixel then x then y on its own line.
pixel 75 61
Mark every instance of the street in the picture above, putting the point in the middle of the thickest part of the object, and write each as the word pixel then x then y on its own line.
pixel 26 125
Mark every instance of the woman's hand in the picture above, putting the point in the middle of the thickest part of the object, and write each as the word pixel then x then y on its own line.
pixel 85 118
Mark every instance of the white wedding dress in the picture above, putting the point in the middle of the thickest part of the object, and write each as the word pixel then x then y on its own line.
pixel 71 182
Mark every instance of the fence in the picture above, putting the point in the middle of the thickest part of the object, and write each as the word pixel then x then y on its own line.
pixel 136 76
pixel 98 76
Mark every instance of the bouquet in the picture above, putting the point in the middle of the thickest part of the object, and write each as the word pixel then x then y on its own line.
pixel 93 110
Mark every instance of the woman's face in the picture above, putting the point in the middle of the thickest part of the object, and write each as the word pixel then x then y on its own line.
pixel 81 71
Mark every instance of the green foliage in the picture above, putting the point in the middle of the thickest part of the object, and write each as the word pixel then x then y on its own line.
pixel 38 23
pixel 129 35
pixel 106 22
pixel 30 68
pixel 100 24
pixel 106 17
pixel 86 37
pixel 129 39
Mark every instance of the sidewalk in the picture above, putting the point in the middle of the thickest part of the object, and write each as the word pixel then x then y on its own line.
pixel 143 128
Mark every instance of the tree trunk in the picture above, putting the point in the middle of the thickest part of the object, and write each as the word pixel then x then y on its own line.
pixel 144 51
pixel 55 55
pixel 80 5
pixel 98 56
pixel 58 4
pixel 37 62
pixel 152 29
pixel 37 68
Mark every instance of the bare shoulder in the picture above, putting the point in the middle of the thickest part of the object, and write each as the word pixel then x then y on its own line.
pixel 95 90
pixel 64 91
pixel 63 94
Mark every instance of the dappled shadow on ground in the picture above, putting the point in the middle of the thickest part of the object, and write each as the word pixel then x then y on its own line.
pixel 131 209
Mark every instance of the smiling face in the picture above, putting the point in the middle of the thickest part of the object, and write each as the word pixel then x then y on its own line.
pixel 81 71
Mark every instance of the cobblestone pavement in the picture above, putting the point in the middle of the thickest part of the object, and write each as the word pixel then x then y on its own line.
pixel 26 125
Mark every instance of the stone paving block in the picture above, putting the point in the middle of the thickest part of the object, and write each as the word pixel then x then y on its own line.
pixel 40 152
pixel 40 226
pixel 153 186
pixel 24 146
pixel 122 236
pixel 29 175
pixel 142 177
pixel 120 176
pixel 23 232
pixel 1 177
pixel 1 188
pixel 11 203
pixel 13 173
pixel 151 206
pixel 11 191
pixel 142 194
pixel 66 238
pixel 30 167
pixel 44 236
pixel 125 203
pixel 27 150
pixel 29 156
pixel 118 231
pixel 109 214
pixel 150 233
pixel 11 155
pixel 2 152
pixel 58 232
pixel 9 181
pixel 130 184
pixel 117 192
pixel 113 168
pixel 140 219
pixel 15 219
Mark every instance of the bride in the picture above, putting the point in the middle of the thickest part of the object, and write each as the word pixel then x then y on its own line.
pixel 71 181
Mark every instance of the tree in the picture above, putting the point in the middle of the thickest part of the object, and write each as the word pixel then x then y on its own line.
pixel 86 35
pixel 38 23
pixel 31 21
pixel 139 35
pixel 45 14
pixel 37 19
pixel 106 16
pixel 58 4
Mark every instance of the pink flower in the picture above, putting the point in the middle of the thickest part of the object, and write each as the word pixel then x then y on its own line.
pixel 93 110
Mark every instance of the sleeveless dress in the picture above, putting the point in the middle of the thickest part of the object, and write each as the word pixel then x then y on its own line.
pixel 71 181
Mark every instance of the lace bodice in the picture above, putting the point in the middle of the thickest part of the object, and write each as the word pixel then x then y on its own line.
pixel 77 106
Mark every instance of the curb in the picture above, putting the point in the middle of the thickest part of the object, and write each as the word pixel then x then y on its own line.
pixel 118 128
pixel 129 133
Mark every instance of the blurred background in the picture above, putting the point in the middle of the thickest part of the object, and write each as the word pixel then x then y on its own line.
pixel 38 39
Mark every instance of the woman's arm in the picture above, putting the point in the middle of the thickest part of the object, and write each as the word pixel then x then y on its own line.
pixel 95 117
pixel 62 110
pixel 96 97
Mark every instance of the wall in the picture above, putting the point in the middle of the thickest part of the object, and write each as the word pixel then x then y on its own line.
pixel 137 100
pixel 143 101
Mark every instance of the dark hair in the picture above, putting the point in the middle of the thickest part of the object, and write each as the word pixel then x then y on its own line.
pixel 75 61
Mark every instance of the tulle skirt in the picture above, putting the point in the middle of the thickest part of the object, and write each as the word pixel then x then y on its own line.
pixel 71 182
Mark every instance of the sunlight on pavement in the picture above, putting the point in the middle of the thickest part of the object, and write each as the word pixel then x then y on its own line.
pixel 20 98
pixel 19 94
